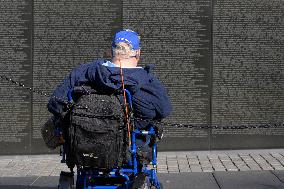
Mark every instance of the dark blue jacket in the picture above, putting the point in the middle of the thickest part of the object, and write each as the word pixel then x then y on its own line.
pixel 150 100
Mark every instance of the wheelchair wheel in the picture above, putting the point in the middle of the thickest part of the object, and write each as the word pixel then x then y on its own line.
pixel 147 185
pixel 140 182
pixel 143 182
pixel 65 180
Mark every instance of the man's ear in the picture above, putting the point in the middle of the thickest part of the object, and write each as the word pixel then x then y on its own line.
pixel 138 52
pixel 135 54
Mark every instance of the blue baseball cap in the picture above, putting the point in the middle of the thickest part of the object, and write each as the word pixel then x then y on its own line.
pixel 127 36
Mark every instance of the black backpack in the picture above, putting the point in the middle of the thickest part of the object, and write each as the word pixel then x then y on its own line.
pixel 97 133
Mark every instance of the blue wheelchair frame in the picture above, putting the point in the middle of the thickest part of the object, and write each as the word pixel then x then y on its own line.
pixel 86 177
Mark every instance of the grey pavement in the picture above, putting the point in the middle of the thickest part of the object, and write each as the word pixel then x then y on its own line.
pixel 193 169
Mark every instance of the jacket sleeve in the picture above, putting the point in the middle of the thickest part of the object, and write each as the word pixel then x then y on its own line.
pixel 151 101
pixel 58 100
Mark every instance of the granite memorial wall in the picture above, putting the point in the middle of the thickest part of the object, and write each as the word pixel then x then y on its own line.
pixel 221 61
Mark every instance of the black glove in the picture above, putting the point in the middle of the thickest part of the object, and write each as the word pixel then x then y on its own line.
pixel 159 132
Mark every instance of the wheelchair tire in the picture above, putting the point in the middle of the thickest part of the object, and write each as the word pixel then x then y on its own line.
pixel 147 186
pixel 145 183
pixel 65 181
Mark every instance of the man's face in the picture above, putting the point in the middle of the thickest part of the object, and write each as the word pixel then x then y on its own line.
pixel 124 50
pixel 123 46
pixel 128 47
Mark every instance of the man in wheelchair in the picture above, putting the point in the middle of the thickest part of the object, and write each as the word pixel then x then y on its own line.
pixel 121 75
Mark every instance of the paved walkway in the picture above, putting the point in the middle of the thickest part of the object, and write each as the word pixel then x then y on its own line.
pixel 168 162
pixel 209 161
pixel 247 169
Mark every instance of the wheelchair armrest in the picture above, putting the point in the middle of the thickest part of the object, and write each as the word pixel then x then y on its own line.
pixel 152 131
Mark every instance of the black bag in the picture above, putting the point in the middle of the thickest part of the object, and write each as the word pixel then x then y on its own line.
pixel 97 133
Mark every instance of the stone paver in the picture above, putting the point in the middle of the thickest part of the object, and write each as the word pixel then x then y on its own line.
pixel 227 162
pixel 276 164
pixel 162 164
pixel 194 163
pixel 172 164
pixel 263 163
pixel 206 165
pixel 183 164
pixel 250 162
pixel 216 162
pixel 238 163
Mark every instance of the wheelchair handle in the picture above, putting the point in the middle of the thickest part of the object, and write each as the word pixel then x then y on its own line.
pixel 129 97
pixel 69 95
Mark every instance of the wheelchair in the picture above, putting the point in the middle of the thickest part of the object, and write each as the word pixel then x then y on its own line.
pixel 132 175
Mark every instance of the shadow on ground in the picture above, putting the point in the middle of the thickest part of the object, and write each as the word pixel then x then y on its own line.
pixel 216 180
